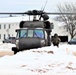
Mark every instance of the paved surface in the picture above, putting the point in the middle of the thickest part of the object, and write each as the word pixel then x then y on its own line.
pixel 3 53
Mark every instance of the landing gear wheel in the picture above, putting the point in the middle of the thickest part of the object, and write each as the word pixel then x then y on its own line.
pixel 15 52
pixel 14 49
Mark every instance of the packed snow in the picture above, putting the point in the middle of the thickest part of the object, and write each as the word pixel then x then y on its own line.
pixel 49 60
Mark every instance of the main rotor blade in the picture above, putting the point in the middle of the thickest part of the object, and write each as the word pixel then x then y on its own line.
pixel 39 13
pixel 13 13
pixel 61 13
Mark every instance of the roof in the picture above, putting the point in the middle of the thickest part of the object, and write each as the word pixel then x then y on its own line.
pixel 12 19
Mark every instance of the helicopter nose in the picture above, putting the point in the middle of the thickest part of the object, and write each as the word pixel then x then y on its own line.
pixel 29 43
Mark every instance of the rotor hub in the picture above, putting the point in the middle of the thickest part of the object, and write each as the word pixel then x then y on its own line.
pixel 35 12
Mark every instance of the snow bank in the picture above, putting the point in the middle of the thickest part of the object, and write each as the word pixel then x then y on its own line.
pixel 42 61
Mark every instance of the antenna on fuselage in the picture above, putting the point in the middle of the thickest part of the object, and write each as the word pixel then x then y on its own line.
pixel 43 9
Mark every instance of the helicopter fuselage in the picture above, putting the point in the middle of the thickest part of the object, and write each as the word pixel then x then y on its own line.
pixel 33 34
pixel 29 38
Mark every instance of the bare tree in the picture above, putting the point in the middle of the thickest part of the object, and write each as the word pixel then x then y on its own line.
pixel 69 20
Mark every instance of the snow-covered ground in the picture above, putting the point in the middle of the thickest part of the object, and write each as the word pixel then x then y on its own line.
pixel 42 61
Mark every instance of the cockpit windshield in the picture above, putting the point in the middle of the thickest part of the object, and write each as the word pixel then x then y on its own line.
pixel 23 33
pixel 30 33
pixel 38 33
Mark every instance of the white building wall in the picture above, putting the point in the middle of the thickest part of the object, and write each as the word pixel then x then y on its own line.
pixel 8 30
pixel 14 24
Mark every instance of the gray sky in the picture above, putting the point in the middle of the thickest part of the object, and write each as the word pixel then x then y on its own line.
pixel 25 5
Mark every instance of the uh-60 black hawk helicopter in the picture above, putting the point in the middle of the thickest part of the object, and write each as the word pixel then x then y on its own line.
pixel 35 33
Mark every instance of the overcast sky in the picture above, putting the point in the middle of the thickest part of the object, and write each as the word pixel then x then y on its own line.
pixel 25 5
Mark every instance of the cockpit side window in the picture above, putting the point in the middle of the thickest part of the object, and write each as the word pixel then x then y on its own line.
pixel 17 36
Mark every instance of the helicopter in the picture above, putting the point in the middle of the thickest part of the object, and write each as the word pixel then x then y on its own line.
pixel 35 33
